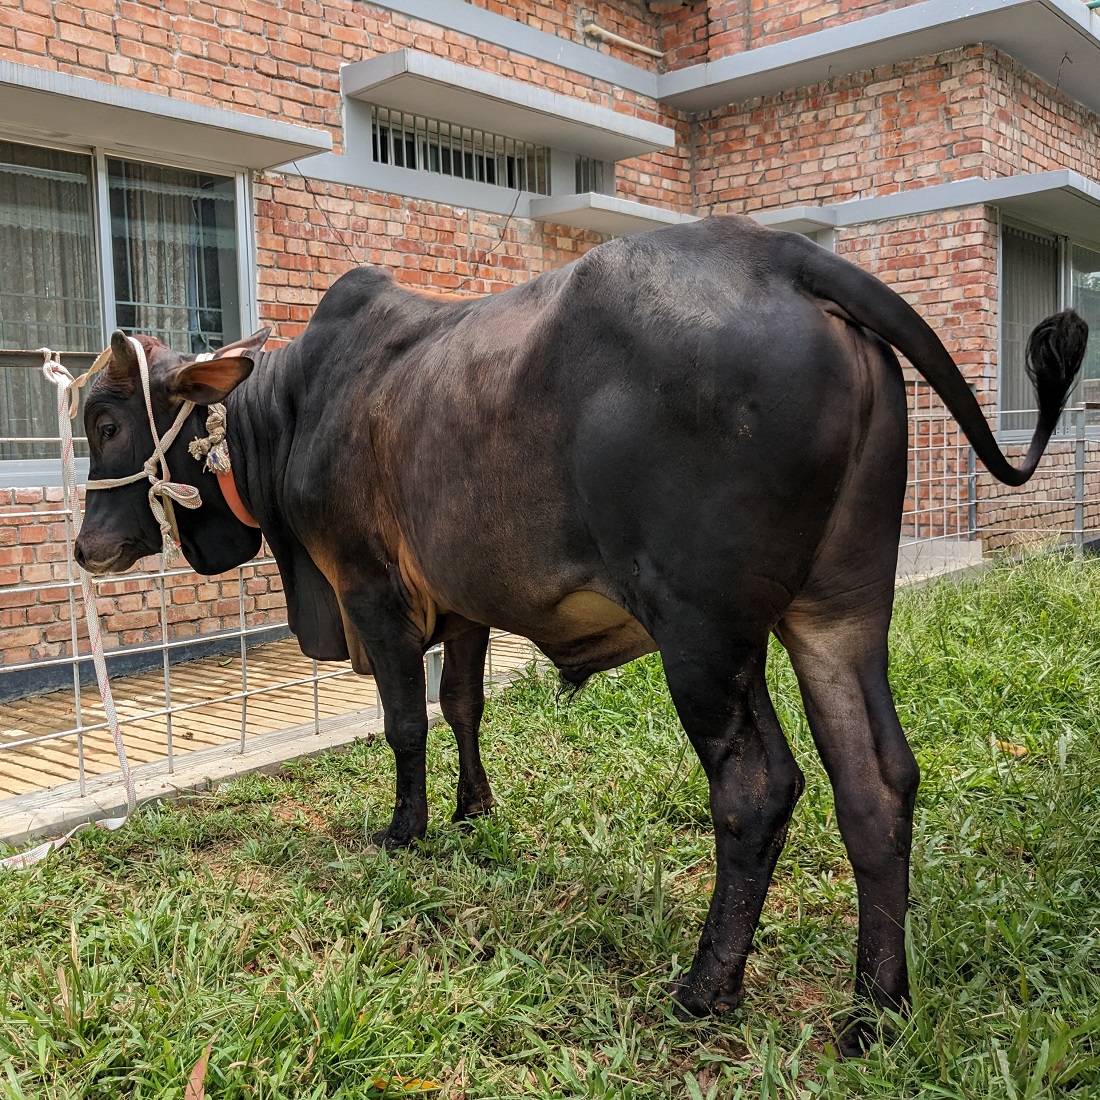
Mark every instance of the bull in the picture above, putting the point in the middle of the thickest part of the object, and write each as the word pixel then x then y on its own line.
pixel 683 442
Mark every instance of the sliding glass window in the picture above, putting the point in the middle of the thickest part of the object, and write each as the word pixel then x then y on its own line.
pixel 159 255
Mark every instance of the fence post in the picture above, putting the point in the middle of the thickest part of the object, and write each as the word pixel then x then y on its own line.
pixel 971 494
pixel 1079 483
pixel 433 661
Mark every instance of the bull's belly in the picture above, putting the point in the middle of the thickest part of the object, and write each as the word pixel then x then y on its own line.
pixel 588 633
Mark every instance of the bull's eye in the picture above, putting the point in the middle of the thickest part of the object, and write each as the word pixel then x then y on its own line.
pixel 107 430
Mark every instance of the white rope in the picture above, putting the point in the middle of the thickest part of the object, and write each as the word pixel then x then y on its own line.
pixel 67 401
pixel 162 490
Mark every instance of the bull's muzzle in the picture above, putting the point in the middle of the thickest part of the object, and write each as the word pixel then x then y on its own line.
pixel 97 556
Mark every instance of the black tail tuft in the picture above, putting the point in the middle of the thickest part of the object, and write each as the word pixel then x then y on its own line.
pixel 1055 351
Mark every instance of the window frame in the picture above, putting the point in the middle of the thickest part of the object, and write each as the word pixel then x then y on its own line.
pixel 247 269
pixel 1066 428
pixel 247 273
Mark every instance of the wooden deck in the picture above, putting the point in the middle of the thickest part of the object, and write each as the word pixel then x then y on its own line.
pixel 205 712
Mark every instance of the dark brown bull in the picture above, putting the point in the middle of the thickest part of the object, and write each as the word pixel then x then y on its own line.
pixel 682 442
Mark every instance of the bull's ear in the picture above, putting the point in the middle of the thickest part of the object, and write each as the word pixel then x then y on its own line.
pixel 212 380
pixel 122 369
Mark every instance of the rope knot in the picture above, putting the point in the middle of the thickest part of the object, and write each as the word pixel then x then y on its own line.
pixel 213 448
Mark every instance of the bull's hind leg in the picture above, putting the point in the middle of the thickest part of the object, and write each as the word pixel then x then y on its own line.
pixel 722 699
pixel 841 666
pixel 462 700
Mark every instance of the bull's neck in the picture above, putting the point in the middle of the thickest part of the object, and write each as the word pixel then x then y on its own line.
pixel 258 424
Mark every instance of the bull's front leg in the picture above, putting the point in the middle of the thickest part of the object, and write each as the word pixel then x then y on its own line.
pixel 398 666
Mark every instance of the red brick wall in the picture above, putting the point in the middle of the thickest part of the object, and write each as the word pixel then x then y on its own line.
pixel 630 19
pixel 310 233
pixel 709 29
pixel 34 594
pixel 1042 512
pixel 685 35
pixel 945 266
pixel 283 59
pixel 897 127
pixel 971 112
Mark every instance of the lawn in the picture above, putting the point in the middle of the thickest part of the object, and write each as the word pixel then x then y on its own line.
pixel 529 956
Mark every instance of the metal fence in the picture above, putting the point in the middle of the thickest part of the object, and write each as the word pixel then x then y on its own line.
pixel 204 662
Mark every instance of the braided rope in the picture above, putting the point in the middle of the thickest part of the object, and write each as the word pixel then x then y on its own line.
pixel 213 450
pixel 65 382
pixel 162 493
pixel 162 490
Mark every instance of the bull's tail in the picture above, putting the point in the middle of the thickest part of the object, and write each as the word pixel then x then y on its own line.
pixel 1055 349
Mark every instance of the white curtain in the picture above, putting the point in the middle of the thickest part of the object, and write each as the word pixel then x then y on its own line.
pixel 1086 300
pixel 49 292
pixel 174 254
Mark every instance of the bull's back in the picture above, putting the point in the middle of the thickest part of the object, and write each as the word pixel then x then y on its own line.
pixel 668 411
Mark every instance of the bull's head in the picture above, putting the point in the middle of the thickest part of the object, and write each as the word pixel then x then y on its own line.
pixel 119 527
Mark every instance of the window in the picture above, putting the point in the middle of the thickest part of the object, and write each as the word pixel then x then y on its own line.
pixel 589 175
pixel 49 290
pixel 1040 275
pixel 1085 288
pixel 173 251
pixel 428 145
pixel 174 247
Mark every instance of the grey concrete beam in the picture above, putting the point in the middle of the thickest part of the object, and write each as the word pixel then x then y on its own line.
pixel 76 110
pixel 1063 201
pixel 605 214
pixel 1037 33
pixel 424 84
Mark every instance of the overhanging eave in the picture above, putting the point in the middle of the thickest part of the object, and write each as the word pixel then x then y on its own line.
pixel 1058 40
pixel 423 84
pixel 77 110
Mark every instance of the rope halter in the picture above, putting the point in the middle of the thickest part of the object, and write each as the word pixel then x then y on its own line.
pixel 163 492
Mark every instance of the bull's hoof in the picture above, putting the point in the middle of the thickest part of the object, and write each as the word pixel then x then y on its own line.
pixel 394 838
pixel 466 811
pixel 856 1035
pixel 403 832
pixel 691 1004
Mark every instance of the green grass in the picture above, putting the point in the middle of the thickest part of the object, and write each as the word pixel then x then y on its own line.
pixel 529 956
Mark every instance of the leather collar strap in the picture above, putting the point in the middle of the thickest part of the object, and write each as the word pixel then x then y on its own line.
pixel 213 452
pixel 229 490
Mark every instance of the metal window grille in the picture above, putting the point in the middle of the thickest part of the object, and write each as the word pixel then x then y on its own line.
pixel 589 175
pixel 431 145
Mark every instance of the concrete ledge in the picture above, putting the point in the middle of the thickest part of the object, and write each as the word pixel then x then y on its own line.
pixel 605 213
pixel 56 810
pixel 1063 200
pixel 1037 33
pixel 423 84
pixel 92 112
